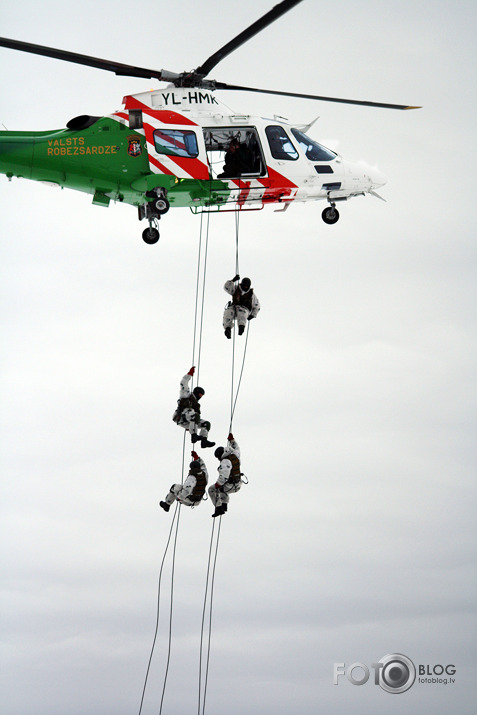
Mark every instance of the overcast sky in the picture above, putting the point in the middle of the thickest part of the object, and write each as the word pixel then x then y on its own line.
pixel 355 537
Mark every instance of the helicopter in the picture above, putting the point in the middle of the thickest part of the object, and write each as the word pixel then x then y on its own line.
pixel 181 147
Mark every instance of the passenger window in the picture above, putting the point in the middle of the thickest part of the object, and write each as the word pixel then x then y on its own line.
pixel 176 142
pixel 280 144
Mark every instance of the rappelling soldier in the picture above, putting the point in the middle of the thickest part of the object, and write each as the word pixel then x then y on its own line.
pixel 230 476
pixel 187 413
pixel 189 493
pixel 243 306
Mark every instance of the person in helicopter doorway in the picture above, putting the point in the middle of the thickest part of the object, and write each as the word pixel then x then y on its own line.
pixel 230 476
pixel 238 160
pixel 189 493
pixel 243 306
pixel 187 412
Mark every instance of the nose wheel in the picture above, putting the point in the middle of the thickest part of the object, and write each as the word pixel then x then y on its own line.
pixel 151 234
pixel 331 214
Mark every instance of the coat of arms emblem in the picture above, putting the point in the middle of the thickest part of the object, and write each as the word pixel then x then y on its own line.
pixel 134 146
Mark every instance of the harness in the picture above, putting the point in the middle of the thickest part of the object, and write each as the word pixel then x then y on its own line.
pixel 243 299
pixel 235 474
pixel 199 489
pixel 186 403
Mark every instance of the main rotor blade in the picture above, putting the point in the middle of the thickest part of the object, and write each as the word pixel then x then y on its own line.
pixel 247 34
pixel 116 67
pixel 222 85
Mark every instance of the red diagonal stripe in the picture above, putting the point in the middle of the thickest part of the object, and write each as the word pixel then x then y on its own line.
pixel 166 116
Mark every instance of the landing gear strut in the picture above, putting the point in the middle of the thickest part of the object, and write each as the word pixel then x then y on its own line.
pixel 330 214
pixel 152 211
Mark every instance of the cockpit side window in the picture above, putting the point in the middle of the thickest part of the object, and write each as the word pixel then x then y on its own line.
pixel 312 150
pixel 176 142
pixel 280 144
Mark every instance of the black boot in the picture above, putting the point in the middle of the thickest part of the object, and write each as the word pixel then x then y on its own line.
pixel 194 438
pixel 165 506
pixel 228 333
pixel 219 510
pixel 241 329
pixel 205 443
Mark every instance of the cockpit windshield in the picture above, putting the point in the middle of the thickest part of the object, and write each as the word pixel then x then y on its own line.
pixel 313 151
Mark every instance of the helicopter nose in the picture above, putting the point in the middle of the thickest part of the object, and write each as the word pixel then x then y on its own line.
pixel 376 178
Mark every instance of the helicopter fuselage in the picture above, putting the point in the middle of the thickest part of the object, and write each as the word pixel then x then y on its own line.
pixel 184 147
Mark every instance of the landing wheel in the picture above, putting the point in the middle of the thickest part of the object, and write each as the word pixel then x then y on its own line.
pixel 330 215
pixel 162 206
pixel 150 235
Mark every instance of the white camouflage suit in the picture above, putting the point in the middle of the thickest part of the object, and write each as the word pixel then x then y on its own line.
pixel 187 418
pixel 182 492
pixel 219 492
pixel 240 312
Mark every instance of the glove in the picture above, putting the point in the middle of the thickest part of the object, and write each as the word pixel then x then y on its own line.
pixel 237 278
pixel 195 455
pixel 191 371
pixel 230 437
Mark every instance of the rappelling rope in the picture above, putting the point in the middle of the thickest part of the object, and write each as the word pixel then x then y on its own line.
pixel 196 356
pixel 233 400
pixel 195 359
pixel 197 319
pixel 237 222
pixel 197 290
pixel 176 513
pixel 233 403
pixel 197 340
pixel 172 595
pixel 210 615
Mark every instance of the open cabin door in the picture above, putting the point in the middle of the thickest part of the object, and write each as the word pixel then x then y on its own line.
pixel 235 156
